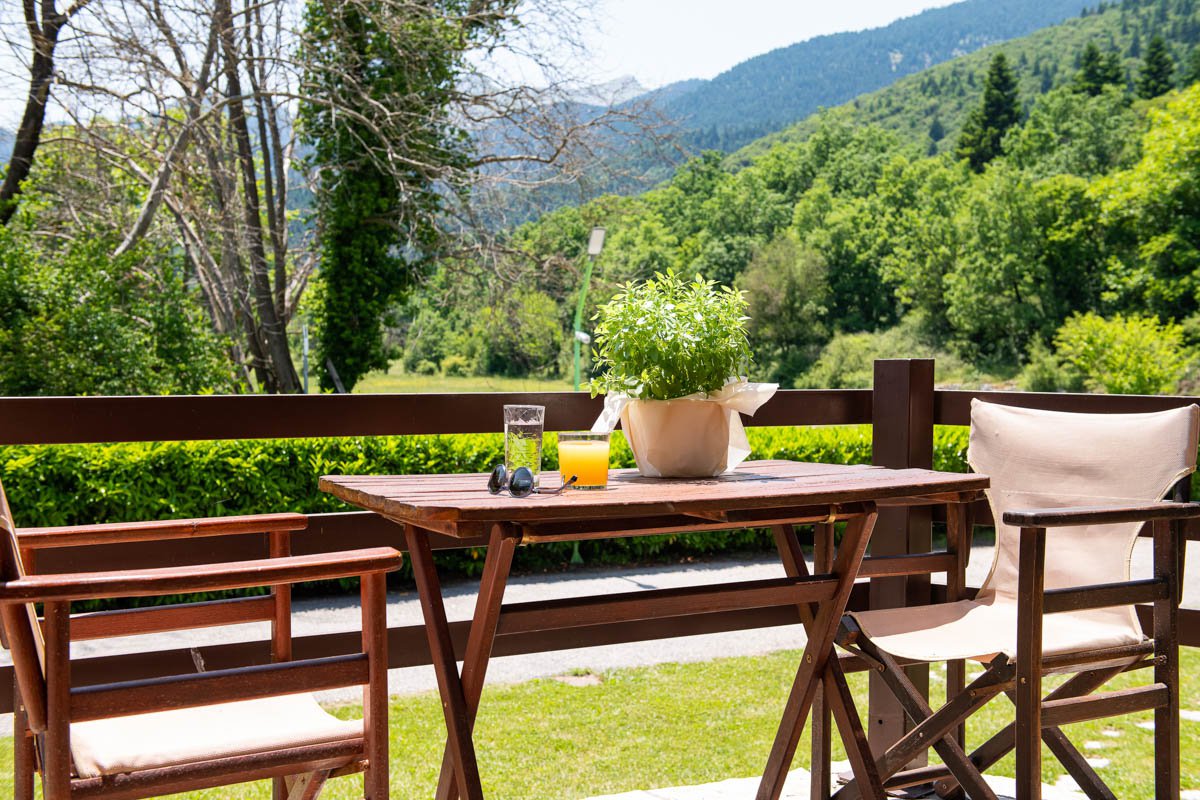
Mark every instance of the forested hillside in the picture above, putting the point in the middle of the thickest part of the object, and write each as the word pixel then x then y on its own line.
pixel 777 88
pixel 1052 236
pixel 928 108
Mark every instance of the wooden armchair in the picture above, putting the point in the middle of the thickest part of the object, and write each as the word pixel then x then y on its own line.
pixel 144 738
pixel 1069 494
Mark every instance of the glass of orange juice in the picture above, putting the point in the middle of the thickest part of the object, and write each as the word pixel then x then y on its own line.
pixel 584 455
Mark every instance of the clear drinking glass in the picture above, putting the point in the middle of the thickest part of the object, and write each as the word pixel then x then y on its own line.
pixel 523 427
pixel 584 455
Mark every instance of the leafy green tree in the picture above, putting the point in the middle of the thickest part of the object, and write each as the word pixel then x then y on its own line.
pixel 1031 258
pixel 1098 70
pixel 848 361
pixel 74 321
pixel 1123 355
pixel 922 202
pixel 1158 70
pixel 846 234
pixel 1151 215
pixel 378 222
pixel 1073 133
pixel 521 335
pixel 787 287
pixel 984 130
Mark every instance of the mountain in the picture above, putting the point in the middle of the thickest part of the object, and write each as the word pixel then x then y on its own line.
pixel 1041 61
pixel 775 89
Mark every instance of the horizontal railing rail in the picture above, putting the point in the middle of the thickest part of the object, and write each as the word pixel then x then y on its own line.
pixel 81 420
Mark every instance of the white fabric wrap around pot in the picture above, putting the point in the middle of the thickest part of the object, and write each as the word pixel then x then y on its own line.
pixel 698 436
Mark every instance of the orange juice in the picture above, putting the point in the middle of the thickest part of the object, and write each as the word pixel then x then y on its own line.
pixel 585 458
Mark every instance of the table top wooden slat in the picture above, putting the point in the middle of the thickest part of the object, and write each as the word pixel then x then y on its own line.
pixel 460 498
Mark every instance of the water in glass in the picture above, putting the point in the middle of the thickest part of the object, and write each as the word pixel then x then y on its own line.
pixel 523 427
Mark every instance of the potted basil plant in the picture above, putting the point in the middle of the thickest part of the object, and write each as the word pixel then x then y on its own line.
pixel 672 357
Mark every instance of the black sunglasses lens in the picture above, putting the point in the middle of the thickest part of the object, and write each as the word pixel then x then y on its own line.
pixel 521 484
pixel 497 479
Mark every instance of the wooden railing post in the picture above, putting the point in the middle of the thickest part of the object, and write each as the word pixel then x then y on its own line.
pixel 901 437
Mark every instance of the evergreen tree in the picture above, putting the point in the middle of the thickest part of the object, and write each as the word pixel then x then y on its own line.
pixel 1097 70
pixel 937 131
pixel 1158 70
pixel 984 129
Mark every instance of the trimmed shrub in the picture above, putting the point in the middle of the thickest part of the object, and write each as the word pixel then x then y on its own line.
pixel 77 484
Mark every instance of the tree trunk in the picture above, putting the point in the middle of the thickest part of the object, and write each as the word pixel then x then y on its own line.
pixel 29 132
pixel 277 351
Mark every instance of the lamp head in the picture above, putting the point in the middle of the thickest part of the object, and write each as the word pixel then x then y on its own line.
pixel 596 242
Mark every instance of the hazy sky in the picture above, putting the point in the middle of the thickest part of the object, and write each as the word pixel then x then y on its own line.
pixel 661 41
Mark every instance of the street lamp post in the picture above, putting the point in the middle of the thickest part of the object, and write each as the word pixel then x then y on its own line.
pixel 595 245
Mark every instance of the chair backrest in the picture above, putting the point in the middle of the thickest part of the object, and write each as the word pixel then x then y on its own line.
pixel 1046 459
pixel 22 633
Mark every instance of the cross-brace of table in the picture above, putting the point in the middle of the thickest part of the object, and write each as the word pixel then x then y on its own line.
pixel 774 494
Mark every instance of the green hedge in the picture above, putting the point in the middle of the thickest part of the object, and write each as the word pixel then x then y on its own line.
pixel 74 484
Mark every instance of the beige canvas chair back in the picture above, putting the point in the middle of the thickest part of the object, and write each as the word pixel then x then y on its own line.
pixel 22 634
pixel 1048 459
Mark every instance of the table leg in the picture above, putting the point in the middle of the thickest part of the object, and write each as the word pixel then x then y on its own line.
pixel 832 694
pixel 502 545
pixel 821 765
pixel 441 648
pixel 816 656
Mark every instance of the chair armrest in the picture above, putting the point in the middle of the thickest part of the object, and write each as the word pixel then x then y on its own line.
pixel 1100 515
pixel 115 532
pixel 200 578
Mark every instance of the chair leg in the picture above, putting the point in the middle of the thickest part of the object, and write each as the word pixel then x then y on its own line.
pixel 23 747
pixel 1076 765
pixel 56 771
pixel 1030 584
pixel 307 786
pixel 1167 538
pixel 375 694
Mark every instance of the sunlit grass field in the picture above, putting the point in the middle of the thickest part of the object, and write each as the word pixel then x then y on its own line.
pixel 396 380
pixel 678 724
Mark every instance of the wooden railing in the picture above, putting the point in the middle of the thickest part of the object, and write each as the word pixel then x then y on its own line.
pixel 903 409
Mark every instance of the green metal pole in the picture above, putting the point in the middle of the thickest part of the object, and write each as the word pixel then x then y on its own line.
pixel 587 278
pixel 576 558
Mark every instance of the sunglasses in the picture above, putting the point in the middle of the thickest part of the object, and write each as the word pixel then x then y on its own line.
pixel 519 483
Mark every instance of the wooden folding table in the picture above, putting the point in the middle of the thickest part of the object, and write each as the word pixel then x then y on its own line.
pixel 774 494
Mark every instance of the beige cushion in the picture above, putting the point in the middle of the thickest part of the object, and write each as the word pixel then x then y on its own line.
pixel 1047 459
pixel 170 738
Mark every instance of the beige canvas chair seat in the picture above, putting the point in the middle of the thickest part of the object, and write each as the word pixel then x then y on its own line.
pixel 977 631
pixel 190 735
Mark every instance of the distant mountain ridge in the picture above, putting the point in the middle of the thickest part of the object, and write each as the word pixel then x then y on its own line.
pixel 775 89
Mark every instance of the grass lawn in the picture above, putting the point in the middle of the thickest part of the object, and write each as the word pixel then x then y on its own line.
pixel 395 380
pixel 672 725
